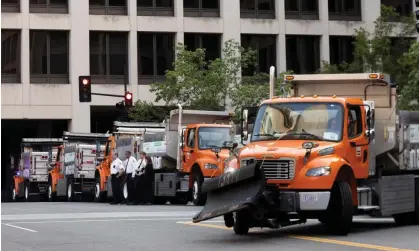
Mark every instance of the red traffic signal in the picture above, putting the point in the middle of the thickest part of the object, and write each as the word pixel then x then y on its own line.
pixel 128 99
pixel 85 89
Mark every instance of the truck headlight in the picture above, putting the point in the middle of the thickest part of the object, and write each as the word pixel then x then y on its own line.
pixel 210 166
pixel 246 161
pixel 229 169
pixel 319 171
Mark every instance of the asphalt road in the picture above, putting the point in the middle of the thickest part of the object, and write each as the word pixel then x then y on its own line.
pixel 89 226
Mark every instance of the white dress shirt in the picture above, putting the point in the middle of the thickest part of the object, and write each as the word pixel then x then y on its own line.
pixel 131 165
pixel 140 167
pixel 116 166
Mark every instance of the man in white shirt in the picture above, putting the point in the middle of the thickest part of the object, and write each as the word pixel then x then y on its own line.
pixel 131 164
pixel 116 168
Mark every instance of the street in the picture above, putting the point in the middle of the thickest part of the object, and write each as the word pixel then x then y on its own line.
pixel 89 226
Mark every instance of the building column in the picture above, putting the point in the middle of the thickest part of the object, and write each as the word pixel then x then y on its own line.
pixel 25 53
pixel 132 50
pixel 79 64
pixel 324 40
pixel 178 8
pixel 281 41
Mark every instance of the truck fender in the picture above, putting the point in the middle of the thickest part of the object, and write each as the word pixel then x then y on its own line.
pixel 341 171
pixel 208 172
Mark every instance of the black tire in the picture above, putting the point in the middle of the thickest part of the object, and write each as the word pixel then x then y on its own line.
pixel 99 196
pixel 198 198
pixel 241 224
pixel 26 192
pixel 404 219
pixel 159 200
pixel 14 195
pixel 50 194
pixel 339 214
pixel 70 191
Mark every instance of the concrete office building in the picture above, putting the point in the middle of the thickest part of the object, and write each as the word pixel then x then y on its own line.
pixel 47 44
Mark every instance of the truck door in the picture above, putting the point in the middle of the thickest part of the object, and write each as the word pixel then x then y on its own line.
pixel 357 152
pixel 188 157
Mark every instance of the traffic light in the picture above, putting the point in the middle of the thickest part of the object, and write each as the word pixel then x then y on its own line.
pixel 85 89
pixel 128 99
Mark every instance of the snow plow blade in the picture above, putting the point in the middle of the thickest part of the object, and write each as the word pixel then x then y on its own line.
pixel 231 192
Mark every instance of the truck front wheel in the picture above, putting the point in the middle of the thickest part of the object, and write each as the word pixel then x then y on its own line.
pixel 339 214
pixel 198 198
pixel 241 224
pixel 99 195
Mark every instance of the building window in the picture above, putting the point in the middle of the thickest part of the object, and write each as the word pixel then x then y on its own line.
pixel 402 7
pixel 108 57
pixel 303 54
pixel 341 49
pixel 49 58
pixel 201 8
pixel 10 6
pixel 345 10
pixel 48 6
pixel 108 7
pixel 155 55
pixel 302 9
pixel 262 9
pixel 155 8
pixel 10 56
pixel 265 47
pixel 210 42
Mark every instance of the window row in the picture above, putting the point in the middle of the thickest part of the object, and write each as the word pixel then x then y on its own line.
pixel 265 9
pixel 49 54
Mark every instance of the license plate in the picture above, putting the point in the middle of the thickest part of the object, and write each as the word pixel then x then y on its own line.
pixel 310 198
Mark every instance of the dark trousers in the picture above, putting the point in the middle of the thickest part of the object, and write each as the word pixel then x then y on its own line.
pixel 130 187
pixel 116 189
pixel 144 189
pixel 138 198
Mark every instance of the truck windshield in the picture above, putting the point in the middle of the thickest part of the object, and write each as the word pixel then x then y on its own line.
pixel 305 121
pixel 209 137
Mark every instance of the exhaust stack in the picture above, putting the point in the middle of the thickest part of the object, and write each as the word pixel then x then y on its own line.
pixel 271 82
pixel 179 130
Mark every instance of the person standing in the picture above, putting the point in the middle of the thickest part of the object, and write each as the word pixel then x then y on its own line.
pixel 131 164
pixel 138 177
pixel 148 182
pixel 116 170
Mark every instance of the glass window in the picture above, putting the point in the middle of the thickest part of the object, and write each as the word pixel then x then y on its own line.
pixel 210 137
pixel 294 121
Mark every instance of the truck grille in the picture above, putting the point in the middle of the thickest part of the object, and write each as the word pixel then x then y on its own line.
pixel 278 169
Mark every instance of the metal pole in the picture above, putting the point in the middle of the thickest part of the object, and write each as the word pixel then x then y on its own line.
pixel 125 78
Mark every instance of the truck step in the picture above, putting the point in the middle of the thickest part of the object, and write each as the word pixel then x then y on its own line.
pixel 364 196
pixel 368 208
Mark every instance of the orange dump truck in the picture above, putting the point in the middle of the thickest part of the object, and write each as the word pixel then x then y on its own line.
pixel 73 173
pixel 31 179
pixel 335 147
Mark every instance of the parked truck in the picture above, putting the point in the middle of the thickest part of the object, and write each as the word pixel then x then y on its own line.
pixel 73 173
pixel 123 132
pixel 335 147
pixel 31 178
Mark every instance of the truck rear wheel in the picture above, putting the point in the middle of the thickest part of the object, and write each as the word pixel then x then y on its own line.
pixel 198 198
pixel 70 191
pixel 27 195
pixel 14 195
pixel 241 224
pixel 339 214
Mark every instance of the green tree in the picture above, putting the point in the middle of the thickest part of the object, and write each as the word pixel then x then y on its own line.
pixel 376 51
pixel 143 111
pixel 202 84
pixel 409 97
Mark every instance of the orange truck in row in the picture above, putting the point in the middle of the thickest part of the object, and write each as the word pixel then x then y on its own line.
pixel 335 147
pixel 187 148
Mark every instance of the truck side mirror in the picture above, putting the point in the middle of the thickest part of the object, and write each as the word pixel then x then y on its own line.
pixel 245 124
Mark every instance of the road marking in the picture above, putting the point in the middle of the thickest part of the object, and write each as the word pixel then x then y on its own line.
pixel 26 229
pixel 106 215
pixel 97 220
pixel 308 238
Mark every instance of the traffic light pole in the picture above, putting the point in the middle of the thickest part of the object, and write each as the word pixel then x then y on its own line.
pixel 125 86
pixel 108 95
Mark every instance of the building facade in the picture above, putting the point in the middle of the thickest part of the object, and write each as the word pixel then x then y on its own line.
pixel 47 44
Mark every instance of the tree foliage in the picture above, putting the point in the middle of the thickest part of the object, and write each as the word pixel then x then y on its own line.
pixel 381 50
pixel 375 51
pixel 143 111
pixel 201 84
pixel 410 93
